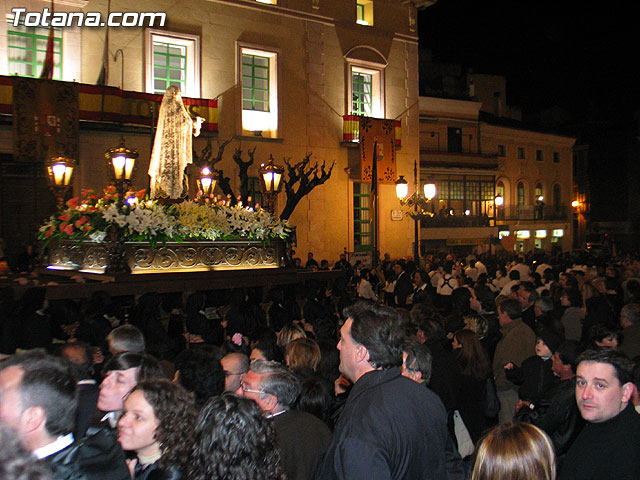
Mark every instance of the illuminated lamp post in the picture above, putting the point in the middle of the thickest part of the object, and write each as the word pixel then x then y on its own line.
pixel 121 163
pixel 207 183
pixel 271 183
pixel 59 173
pixel 418 203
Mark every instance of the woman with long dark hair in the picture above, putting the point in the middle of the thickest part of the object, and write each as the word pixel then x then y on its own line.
pixel 158 425
pixel 475 370
pixel 234 440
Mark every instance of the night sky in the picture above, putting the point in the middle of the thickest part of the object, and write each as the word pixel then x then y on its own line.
pixel 577 55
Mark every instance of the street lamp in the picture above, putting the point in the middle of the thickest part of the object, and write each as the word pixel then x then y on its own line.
pixel 419 204
pixel 271 183
pixel 121 163
pixel 207 182
pixel 59 173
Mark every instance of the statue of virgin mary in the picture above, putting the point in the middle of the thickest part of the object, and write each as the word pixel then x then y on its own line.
pixel 172 150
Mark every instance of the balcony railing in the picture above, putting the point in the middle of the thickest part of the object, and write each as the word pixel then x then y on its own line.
pixel 351 129
pixel 455 221
pixel 533 213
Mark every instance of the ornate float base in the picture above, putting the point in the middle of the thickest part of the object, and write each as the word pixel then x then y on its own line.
pixel 172 257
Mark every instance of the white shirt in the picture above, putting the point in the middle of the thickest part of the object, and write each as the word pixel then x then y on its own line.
pixel 524 270
pixel 365 290
pixel 60 443
pixel 444 288
pixel 506 290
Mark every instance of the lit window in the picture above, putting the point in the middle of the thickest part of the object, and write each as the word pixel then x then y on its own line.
pixel 173 59
pixel 255 82
pixel 258 72
pixel 169 66
pixel 364 12
pixel 362 222
pixel 541 234
pixel 270 2
pixel 522 234
pixel 361 85
pixel 27 49
pixel 366 92
pixel 558 233
pixel 502 234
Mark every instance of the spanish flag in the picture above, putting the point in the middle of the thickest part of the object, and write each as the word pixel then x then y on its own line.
pixel 47 68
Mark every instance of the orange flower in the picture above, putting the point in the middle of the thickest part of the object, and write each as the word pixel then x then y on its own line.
pixel 87 228
pixel 64 217
pixel 73 203
pixel 49 232
pixel 141 193
pixel 81 221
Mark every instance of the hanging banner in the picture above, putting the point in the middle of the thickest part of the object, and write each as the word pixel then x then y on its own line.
pixel 45 119
pixel 381 133
pixel 111 104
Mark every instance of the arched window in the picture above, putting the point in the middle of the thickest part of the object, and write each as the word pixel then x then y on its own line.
pixel 538 190
pixel 520 192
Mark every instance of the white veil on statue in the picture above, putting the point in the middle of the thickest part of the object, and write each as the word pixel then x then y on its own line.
pixel 172 150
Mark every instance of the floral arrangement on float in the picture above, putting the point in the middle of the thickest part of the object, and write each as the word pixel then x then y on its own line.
pixel 93 218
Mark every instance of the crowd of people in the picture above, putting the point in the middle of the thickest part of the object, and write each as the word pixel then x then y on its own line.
pixel 482 367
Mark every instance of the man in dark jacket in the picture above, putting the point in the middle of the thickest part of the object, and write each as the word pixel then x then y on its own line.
pixel 301 438
pixel 391 427
pixel 38 401
pixel 557 413
pixel 608 446
pixel 404 286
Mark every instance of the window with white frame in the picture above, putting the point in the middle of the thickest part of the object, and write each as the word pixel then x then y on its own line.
pixel 366 91
pixel 172 59
pixel 27 49
pixel 258 73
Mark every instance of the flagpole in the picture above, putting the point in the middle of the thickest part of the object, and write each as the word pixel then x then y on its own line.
pixel 49 64
pixel 374 202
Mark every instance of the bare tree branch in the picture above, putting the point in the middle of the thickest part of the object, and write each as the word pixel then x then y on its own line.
pixel 244 169
pixel 301 179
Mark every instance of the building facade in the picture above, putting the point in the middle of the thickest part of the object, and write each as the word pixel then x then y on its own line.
pixel 286 76
pixel 499 185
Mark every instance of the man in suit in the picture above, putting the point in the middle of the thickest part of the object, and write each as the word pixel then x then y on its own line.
pixel 404 287
pixel 301 437
pixel 38 402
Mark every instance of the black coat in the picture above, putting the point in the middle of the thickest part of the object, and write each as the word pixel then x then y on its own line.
pixel 96 457
pixel 557 414
pixel 301 439
pixel 534 377
pixel 605 450
pixel 391 428
pixel 403 289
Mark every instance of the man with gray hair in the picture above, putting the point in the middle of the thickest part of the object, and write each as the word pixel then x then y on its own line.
pixel 301 437
pixel 630 323
pixel 126 338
